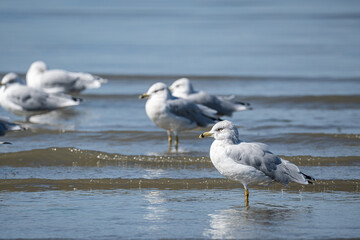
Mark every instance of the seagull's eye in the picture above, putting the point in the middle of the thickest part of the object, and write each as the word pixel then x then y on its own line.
pixel 219 129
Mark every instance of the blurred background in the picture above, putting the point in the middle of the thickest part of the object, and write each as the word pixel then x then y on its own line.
pixel 241 38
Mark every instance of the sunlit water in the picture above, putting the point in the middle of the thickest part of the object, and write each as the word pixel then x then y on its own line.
pixel 102 170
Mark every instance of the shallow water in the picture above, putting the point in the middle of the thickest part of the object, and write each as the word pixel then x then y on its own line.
pixel 102 170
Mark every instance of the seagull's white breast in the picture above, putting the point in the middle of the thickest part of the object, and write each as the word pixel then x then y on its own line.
pixel 158 112
pixel 7 103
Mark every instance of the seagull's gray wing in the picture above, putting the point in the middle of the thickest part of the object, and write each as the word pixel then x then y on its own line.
pixel 87 80
pixel 258 156
pixel 223 107
pixel 31 99
pixel 191 111
pixel 59 79
pixel 64 81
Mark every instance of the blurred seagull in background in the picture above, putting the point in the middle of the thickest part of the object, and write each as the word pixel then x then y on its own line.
pixel 225 106
pixel 60 81
pixel 22 100
pixel 249 163
pixel 6 125
pixel 175 114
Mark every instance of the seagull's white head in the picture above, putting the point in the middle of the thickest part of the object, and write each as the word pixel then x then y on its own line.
pixel 181 87
pixel 10 78
pixel 38 66
pixel 158 89
pixel 224 130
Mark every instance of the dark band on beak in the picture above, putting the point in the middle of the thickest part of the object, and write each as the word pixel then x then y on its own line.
pixel 143 96
pixel 205 134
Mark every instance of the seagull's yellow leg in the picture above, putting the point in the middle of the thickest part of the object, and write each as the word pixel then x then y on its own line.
pixel 246 197
pixel 176 142
pixel 170 142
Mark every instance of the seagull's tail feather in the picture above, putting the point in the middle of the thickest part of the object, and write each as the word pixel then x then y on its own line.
pixel 242 103
pixel 77 99
pixel 16 127
pixel 293 174
pixel 88 81
pixel 310 179
pixel 237 105
pixel 243 106
pixel 61 100
pixel 101 80
pixel 6 125
pixel 215 118
pixel 210 113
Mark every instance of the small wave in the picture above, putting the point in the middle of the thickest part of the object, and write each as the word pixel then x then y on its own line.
pixel 161 77
pixel 308 101
pixel 89 158
pixel 77 157
pixel 323 140
pixel 35 184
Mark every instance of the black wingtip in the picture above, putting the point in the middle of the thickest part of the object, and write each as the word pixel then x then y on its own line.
pixel 243 103
pixel 310 179
pixel 76 99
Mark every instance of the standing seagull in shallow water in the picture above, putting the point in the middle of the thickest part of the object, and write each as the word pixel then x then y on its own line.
pixel 183 88
pixel 175 114
pixel 23 100
pixel 60 81
pixel 249 163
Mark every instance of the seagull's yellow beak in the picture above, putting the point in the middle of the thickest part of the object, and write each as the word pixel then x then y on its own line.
pixel 205 134
pixel 171 89
pixel 143 96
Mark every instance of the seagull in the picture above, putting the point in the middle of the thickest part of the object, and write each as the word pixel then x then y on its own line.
pixel 6 125
pixel 175 114
pixel 60 81
pixel 249 163
pixel 21 100
pixel 183 88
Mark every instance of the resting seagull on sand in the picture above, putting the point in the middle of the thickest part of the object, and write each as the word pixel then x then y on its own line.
pixel 249 163
pixel 23 100
pixel 175 114
pixel 183 88
pixel 60 81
